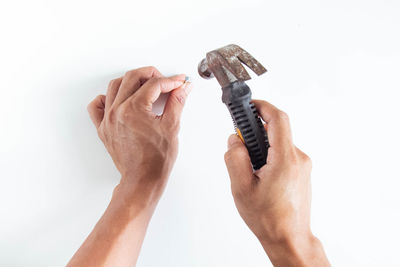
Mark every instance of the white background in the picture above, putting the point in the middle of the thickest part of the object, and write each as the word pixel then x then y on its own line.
pixel 333 67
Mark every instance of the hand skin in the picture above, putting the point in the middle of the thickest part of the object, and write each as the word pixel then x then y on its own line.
pixel 275 200
pixel 143 147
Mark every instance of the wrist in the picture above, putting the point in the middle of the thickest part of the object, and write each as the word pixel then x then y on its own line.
pixel 297 249
pixel 134 202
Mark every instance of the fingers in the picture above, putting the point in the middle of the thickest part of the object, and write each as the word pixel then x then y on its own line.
pixel 112 91
pixel 152 89
pixel 238 163
pixel 279 133
pixel 176 101
pixel 133 80
pixel 96 110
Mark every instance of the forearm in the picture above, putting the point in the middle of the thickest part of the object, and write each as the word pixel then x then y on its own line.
pixel 117 238
pixel 304 250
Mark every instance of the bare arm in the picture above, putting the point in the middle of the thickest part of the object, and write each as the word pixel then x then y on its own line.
pixel 143 147
pixel 275 200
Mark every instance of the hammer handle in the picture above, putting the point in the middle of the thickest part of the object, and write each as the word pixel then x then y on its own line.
pixel 248 125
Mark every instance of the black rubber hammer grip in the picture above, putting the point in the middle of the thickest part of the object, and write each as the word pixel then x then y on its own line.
pixel 248 125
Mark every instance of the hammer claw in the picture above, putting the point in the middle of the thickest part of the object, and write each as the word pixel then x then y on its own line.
pixel 226 64
pixel 233 64
pixel 252 63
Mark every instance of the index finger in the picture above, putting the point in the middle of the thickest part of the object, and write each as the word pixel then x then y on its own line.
pixel 152 89
pixel 279 132
pixel 132 81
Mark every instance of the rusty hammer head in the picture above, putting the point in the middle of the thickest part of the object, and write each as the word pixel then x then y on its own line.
pixel 225 64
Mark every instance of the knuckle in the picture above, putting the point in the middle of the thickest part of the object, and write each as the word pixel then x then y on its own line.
pixel 178 98
pixel 151 69
pixel 156 83
pixel 261 102
pixel 144 70
pixel 156 80
pixel 123 113
pixel 290 158
pixel 306 160
pixel 130 73
pixel 112 82
pixel 152 82
pixel 89 106
pixel 227 155
pixel 235 152
pixel 303 159
pixel 282 115
pixel 93 103
pixel 111 92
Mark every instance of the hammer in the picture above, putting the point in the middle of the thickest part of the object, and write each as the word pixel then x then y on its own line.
pixel 225 64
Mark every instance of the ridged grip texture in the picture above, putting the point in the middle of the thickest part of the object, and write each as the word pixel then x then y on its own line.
pixel 237 97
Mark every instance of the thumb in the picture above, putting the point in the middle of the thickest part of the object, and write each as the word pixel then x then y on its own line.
pixel 96 109
pixel 238 163
pixel 176 101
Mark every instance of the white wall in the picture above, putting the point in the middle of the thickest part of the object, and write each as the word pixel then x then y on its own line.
pixel 333 67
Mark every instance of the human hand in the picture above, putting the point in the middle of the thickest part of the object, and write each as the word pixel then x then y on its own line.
pixel 142 145
pixel 274 201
